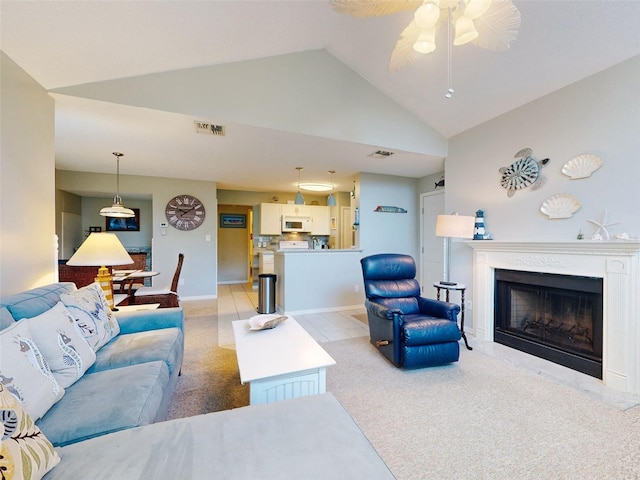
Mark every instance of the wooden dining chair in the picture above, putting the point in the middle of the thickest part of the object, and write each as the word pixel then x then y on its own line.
pixel 166 297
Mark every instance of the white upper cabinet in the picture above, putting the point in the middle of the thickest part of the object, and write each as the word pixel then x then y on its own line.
pixel 293 210
pixel 268 218
pixel 320 220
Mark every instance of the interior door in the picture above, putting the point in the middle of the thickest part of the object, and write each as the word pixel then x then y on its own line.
pixel 432 251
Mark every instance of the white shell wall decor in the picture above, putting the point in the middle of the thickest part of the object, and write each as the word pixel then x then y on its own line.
pixel 560 205
pixel 582 166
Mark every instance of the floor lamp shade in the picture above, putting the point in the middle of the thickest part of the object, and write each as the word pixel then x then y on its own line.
pixel 452 226
pixel 102 250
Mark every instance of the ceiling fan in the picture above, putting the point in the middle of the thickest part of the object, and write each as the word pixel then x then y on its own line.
pixel 490 24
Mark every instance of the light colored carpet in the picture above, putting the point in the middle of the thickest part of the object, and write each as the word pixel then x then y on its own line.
pixel 210 380
pixel 481 418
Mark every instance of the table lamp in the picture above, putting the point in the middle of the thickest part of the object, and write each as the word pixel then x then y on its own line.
pixel 102 250
pixel 452 226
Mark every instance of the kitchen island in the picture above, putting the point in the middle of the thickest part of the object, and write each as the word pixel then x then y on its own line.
pixel 311 281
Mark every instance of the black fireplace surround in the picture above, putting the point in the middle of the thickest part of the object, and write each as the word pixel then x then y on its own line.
pixel 555 317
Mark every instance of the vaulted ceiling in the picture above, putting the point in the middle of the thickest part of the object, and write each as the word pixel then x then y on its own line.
pixel 64 45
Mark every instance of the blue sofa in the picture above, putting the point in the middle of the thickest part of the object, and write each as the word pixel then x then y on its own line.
pixel 132 380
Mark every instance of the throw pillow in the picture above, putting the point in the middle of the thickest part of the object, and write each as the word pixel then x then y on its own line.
pixel 60 340
pixel 91 311
pixel 25 372
pixel 25 452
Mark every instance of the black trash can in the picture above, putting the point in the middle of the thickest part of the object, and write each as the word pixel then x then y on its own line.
pixel 266 293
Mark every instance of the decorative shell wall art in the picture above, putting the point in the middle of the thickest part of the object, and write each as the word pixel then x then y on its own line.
pixel 560 205
pixel 581 166
pixel 523 172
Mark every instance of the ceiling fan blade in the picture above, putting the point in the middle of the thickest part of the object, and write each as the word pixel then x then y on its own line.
pixel 374 8
pixel 498 27
pixel 404 53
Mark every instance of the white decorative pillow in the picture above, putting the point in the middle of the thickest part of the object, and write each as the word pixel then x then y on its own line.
pixel 60 340
pixel 24 371
pixel 25 452
pixel 91 311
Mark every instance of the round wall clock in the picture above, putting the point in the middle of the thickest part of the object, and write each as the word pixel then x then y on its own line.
pixel 185 212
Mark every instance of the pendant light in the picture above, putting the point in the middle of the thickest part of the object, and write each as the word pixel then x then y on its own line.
pixel 299 198
pixel 331 200
pixel 117 210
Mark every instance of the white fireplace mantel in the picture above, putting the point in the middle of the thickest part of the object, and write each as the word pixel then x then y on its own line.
pixel 616 262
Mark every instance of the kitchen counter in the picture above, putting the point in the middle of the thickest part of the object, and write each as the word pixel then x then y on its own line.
pixel 323 250
pixel 311 281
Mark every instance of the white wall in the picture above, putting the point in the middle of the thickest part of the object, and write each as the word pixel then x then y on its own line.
pixel 91 217
pixel 388 232
pixel 27 185
pixel 599 115
pixel 199 270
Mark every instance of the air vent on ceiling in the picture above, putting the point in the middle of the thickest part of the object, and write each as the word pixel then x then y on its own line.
pixel 381 154
pixel 209 128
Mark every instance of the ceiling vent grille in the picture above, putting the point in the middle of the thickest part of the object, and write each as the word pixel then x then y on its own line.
pixel 381 154
pixel 209 128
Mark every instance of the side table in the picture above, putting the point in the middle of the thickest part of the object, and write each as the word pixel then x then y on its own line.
pixel 461 288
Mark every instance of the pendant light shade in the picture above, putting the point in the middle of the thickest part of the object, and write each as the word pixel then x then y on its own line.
pixel 117 210
pixel 331 200
pixel 299 198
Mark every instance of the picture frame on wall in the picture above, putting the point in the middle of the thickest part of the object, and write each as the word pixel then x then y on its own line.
pixel 233 220
pixel 131 224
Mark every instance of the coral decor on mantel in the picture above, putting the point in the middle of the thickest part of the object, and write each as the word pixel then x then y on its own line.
pixel 602 233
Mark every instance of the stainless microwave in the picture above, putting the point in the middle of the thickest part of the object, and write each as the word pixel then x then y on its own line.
pixel 295 224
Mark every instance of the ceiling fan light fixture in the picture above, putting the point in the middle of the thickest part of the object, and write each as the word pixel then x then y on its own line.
pixel 427 14
pixel 476 8
pixel 465 31
pixel 426 42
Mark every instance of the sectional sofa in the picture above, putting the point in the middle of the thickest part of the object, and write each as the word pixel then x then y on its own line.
pixel 131 381
pixel 106 424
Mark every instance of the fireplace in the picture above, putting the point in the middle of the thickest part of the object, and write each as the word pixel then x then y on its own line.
pixel 552 316
pixel 617 263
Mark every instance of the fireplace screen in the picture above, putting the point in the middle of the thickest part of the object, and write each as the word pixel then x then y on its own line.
pixel 557 317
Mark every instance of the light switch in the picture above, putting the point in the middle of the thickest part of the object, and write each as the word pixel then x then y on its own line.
pixel 207 238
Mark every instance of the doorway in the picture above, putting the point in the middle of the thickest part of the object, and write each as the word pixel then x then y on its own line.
pixel 346 228
pixel 233 245
pixel 432 251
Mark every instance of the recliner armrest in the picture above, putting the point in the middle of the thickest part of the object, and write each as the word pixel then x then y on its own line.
pixel 381 311
pixel 438 308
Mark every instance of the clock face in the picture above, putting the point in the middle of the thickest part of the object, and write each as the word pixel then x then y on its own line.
pixel 185 212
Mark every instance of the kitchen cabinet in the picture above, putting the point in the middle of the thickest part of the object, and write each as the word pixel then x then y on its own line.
pixel 268 218
pixel 291 209
pixel 320 220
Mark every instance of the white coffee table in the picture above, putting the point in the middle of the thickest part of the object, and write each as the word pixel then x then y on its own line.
pixel 281 363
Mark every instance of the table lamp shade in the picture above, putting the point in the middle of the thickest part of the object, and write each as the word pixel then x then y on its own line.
pixel 452 226
pixel 102 250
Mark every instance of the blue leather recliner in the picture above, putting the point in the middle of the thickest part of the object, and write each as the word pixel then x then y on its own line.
pixel 411 331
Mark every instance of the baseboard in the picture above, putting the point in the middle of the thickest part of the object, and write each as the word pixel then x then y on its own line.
pixel 359 306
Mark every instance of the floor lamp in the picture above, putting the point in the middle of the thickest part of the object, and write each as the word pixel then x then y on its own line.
pixel 102 250
pixel 452 226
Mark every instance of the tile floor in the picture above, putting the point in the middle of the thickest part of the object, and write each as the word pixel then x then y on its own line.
pixel 240 301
